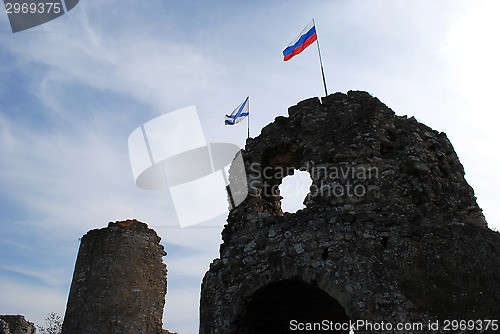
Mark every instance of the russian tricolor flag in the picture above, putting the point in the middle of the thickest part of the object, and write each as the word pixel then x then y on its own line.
pixel 306 38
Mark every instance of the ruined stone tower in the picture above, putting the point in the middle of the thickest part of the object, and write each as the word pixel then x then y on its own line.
pixel 391 233
pixel 119 283
pixel 16 324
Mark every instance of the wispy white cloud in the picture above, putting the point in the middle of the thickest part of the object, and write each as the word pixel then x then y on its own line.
pixel 52 278
pixel 33 301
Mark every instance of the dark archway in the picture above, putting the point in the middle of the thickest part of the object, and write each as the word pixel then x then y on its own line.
pixel 281 307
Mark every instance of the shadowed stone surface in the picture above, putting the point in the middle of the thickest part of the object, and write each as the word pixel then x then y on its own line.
pixel 119 283
pixel 16 324
pixel 391 230
pixel 4 327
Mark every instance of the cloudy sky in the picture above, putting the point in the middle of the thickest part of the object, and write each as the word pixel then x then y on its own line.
pixel 73 90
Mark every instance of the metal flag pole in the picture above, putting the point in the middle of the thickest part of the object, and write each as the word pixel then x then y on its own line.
pixel 248 119
pixel 320 60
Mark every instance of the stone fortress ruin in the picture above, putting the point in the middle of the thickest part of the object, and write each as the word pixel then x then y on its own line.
pixel 391 233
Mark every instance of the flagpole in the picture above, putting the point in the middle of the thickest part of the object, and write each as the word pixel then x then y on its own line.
pixel 248 126
pixel 320 60
pixel 248 119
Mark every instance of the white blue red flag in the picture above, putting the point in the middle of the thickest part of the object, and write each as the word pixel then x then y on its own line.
pixel 238 114
pixel 306 38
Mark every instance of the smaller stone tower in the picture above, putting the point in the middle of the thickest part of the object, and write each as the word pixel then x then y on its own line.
pixel 119 283
pixel 16 324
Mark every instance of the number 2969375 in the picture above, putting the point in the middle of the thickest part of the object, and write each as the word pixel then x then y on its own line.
pixel 33 8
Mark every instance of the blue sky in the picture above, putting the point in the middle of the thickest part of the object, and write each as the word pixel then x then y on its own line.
pixel 73 89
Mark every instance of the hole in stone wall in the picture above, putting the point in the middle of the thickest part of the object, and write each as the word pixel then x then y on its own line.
pixel 385 241
pixel 293 190
pixel 324 256
pixel 279 307
pixel 278 161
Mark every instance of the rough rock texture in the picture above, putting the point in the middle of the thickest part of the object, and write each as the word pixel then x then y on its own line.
pixel 4 327
pixel 391 230
pixel 119 283
pixel 16 324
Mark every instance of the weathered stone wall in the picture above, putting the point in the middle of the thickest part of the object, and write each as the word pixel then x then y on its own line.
pixel 16 324
pixel 4 327
pixel 410 246
pixel 119 283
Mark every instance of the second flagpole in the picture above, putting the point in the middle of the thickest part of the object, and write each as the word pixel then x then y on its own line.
pixel 248 119
pixel 320 60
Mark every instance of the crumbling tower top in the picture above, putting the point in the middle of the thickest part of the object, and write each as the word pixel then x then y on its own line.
pixel 400 168
pixel 119 283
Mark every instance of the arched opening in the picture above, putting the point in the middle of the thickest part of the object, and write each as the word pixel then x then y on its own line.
pixel 291 306
pixel 293 190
